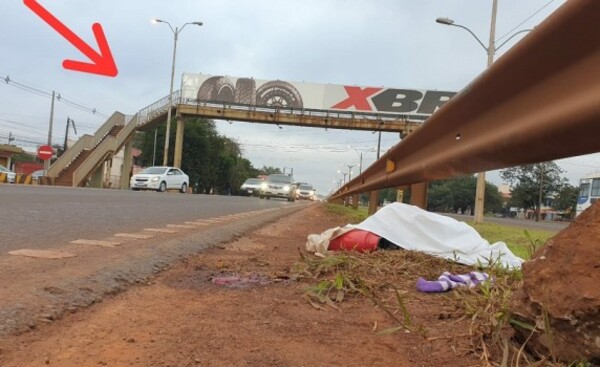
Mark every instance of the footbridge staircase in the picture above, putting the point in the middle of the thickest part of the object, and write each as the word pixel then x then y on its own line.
pixel 83 163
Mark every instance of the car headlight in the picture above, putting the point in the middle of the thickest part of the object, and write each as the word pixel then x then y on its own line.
pixel 154 179
pixel 264 186
pixel 286 188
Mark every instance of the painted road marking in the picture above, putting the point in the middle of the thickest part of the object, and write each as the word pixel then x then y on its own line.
pixel 160 230
pixel 197 223
pixel 42 254
pixel 96 243
pixel 137 236
pixel 180 226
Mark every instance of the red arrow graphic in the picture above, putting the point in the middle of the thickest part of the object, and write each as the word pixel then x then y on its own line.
pixel 101 63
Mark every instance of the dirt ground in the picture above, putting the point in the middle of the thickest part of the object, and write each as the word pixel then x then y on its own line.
pixel 201 313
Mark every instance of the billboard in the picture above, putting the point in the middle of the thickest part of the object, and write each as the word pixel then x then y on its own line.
pixel 413 103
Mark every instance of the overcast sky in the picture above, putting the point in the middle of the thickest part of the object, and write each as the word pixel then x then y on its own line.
pixel 391 43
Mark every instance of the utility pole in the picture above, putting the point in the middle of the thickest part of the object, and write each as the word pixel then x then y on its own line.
pixel 69 121
pixel 540 197
pixel 47 162
pixel 480 188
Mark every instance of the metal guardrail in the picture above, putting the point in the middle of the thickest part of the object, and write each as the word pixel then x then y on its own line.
pixel 539 102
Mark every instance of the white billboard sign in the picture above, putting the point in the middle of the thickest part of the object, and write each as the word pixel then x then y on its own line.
pixel 415 103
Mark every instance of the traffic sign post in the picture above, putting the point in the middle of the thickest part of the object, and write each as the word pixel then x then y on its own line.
pixel 45 152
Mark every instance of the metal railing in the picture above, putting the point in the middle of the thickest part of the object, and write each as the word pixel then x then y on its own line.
pixel 85 142
pixel 375 116
pixel 109 146
pixel 157 108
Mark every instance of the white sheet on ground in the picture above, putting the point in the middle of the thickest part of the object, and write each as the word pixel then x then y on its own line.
pixel 415 229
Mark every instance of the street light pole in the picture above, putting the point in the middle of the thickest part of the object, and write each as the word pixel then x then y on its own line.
pixel 490 50
pixel 349 171
pixel 168 131
pixel 176 32
pixel 480 188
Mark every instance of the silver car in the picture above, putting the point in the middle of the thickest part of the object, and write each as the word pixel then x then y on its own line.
pixel 251 187
pixel 278 186
pixel 160 179
pixel 10 175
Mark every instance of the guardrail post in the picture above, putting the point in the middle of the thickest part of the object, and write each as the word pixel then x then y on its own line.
pixel 418 194
pixel 373 197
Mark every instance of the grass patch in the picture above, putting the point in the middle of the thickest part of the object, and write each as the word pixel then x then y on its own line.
pixel 351 215
pixel 516 238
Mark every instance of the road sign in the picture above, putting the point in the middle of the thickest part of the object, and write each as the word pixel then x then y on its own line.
pixel 45 152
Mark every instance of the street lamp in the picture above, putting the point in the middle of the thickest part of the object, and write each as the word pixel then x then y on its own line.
pixel 361 154
pixel 343 173
pixel 176 32
pixel 490 50
pixel 349 172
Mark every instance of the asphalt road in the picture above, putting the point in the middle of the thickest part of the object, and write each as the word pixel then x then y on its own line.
pixel 40 217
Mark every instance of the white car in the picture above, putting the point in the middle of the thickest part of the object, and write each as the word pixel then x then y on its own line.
pixel 278 186
pixel 10 175
pixel 306 192
pixel 160 179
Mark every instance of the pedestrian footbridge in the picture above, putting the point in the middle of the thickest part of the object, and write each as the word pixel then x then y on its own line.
pixel 224 98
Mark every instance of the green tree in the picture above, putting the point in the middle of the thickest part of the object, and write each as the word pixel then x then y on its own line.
pixel 533 183
pixel 459 194
pixel 24 157
pixel 566 200
pixel 213 162
pixel 268 170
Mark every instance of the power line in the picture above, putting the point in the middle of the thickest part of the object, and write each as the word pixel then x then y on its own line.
pixel 526 20
pixel 59 98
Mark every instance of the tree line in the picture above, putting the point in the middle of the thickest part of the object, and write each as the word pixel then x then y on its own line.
pixel 214 163
pixel 532 187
